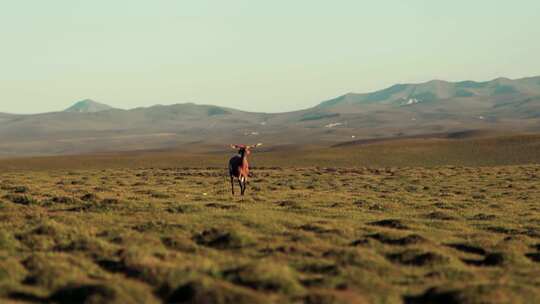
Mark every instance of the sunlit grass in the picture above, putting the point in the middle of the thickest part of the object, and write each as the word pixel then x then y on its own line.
pixel 311 235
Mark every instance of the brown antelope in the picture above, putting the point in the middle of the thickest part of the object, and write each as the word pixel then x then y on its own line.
pixel 239 166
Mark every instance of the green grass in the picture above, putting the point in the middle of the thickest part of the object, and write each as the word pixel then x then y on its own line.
pixel 307 235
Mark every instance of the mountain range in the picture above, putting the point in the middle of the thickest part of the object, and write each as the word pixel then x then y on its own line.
pixel 501 105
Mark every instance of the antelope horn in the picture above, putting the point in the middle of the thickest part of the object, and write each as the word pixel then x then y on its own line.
pixel 236 146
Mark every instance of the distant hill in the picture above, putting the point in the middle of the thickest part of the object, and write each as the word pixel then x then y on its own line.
pixel 437 90
pixel 401 111
pixel 88 106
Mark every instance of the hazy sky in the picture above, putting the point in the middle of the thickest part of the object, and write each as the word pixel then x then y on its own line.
pixel 249 54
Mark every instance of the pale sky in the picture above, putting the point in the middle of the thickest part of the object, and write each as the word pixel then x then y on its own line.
pixel 252 55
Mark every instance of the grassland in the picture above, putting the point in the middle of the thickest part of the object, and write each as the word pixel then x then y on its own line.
pixel 429 151
pixel 448 234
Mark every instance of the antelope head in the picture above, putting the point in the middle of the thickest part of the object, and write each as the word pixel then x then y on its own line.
pixel 245 149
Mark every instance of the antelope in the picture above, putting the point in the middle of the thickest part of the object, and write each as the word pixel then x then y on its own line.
pixel 239 166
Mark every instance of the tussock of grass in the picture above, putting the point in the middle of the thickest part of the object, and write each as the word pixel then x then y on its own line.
pixel 21 199
pixel 227 238
pixel 305 235
pixel 11 270
pixel 267 276
pixel 64 200
pixel 205 290
pixel 414 257
pixel 489 293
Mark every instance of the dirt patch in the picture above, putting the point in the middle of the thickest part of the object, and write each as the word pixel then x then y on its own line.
pixel 484 217
pixel 394 240
pixel 21 199
pixel 390 223
pixel 467 248
pixel 221 206
pixel 535 257
pixel 209 291
pixel 318 228
pixel 224 239
pixel 490 260
pixel 417 258
pixel 439 215
pixel 496 294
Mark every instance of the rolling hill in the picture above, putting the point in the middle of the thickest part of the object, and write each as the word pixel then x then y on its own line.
pixel 88 106
pixel 438 90
pixel 403 110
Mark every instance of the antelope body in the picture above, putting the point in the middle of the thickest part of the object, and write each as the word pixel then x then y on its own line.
pixel 239 166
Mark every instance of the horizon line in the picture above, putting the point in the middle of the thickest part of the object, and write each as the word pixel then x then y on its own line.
pixel 236 109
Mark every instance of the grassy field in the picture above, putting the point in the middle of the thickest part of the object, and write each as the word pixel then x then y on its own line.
pixel 447 234
pixel 412 152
